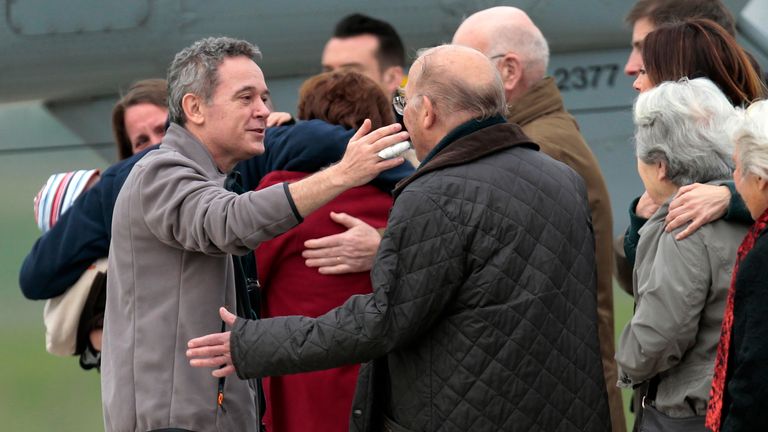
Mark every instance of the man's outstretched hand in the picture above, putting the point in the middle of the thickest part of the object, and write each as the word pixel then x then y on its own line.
pixel 212 351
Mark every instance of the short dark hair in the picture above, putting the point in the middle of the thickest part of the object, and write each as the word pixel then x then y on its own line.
pixel 701 48
pixel 344 98
pixel 668 11
pixel 391 50
pixel 153 91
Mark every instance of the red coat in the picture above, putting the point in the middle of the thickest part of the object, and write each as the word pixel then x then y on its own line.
pixel 319 400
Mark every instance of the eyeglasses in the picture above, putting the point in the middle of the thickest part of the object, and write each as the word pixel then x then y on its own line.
pixel 399 101
pixel 494 57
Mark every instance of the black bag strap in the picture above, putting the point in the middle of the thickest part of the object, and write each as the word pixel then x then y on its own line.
pixel 653 387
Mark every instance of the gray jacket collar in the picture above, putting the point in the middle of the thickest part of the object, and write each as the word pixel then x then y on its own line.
pixel 179 139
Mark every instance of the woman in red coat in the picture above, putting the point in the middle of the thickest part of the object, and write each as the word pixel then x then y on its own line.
pixel 319 400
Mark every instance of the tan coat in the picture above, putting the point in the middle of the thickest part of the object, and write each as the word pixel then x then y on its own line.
pixel 542 116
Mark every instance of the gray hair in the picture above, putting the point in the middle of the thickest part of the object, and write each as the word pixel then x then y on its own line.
pixel 528 43
pixel 686 125
pixel 195 70
pixel 751 140
pixel 452 94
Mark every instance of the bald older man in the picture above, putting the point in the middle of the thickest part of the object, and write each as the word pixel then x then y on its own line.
pixel 483 312
pixel 520 52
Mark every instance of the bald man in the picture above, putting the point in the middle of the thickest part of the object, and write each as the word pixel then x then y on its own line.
pixel 482 314
pixel 519 51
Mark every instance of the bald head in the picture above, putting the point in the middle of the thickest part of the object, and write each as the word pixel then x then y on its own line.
pixel 507 35
pixel 460 81
pixel 448 86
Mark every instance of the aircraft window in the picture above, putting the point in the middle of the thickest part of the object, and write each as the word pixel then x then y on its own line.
pixel 43 17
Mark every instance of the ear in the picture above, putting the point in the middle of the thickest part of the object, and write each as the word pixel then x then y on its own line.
pixel 194 109
pixel 391 78
pixel 427 113
pixel 762 183
pixel 661 171
pixel 511 71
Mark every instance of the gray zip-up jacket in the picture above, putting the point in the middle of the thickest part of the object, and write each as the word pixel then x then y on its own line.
pixel 680 289
pixel 173 231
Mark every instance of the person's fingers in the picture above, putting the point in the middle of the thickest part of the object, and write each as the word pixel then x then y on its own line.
pixel 676 214
pixel 207 351
pixel 208 340
pixel 346 220
pixel 227 316
pixel 389 140
pixel 333 249
pixel 211 361
pixel 685 189
pixel 277 118
pixel 690 229
pixel 323 242
pixel 225 371
pixel 364 129
pixel 382 133
pixel 681 199
pixel 678 221
pixel 325 262
pixel 386 164
pixel 334 270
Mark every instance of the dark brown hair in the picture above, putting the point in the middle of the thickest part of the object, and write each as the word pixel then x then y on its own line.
pixel 701 48
pixel 661 12
pixel 390 52
pixel 344 98
pixel 153 91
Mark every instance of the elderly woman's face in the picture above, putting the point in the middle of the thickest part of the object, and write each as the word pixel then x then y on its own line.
pixel 654 180
pixel 751 188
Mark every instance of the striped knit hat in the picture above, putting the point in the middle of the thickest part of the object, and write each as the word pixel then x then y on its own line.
pixel 58 194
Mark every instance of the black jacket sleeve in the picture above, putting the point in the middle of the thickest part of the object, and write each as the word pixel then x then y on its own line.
pixel 418 269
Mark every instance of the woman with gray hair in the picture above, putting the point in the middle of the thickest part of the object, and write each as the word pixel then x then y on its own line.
pixel 739 397
pixel 679 285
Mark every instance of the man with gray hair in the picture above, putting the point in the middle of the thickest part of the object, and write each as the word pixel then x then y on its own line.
pixel 175 229
pixel 521 54
pixel 482 314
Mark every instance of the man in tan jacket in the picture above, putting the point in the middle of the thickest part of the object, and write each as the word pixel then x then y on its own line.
pixel 510 39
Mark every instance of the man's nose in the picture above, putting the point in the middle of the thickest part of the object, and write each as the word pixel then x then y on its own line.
pixel 633 65
pixel 261 109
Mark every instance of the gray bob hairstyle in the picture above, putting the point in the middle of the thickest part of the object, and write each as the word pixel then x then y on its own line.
pixel 751 140
pixel 685 125
pixel 194 70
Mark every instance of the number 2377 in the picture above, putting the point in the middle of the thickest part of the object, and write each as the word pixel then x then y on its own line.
pixel 586 77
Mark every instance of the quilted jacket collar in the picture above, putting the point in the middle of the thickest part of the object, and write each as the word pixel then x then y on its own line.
pixel 460 147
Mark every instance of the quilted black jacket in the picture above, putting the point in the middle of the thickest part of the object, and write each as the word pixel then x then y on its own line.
pixel 483 313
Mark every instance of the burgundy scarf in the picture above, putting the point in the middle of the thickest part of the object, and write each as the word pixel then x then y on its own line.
pixel 715 406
